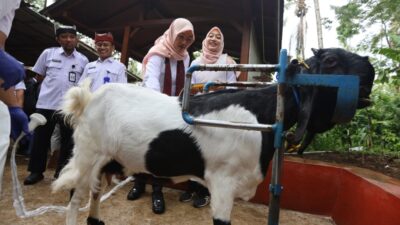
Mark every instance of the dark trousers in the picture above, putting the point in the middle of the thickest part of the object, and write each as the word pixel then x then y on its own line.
pixel 41 142
pixel 141 178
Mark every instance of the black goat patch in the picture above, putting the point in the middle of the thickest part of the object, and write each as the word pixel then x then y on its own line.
pixel 174 153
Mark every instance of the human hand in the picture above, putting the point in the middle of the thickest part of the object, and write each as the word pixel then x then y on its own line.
pixel 11 71
pixel 19 122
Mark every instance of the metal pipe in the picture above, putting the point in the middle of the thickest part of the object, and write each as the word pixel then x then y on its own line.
pixel 209 84
pixel 275 186
pixel 214 123
pixel 234 67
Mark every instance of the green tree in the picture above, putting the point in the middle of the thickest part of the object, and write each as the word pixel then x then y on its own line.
pixel 376 128
pixel 379 23
pixel 37 4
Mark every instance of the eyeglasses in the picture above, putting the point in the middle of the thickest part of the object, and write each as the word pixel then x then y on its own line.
pixel 103 44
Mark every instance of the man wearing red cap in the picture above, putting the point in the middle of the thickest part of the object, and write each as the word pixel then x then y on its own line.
pixel 105 69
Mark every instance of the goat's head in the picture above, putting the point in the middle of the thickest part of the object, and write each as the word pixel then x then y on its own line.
pixel 318 103
pixel 340 61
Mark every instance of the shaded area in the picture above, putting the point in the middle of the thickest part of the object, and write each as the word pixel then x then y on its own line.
pixel 31 33
pixel 140 22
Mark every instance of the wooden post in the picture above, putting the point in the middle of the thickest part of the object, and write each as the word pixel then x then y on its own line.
pixel 125 46
pixel 245 49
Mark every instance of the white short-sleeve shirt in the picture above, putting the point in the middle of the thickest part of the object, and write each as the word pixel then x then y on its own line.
pixel 155 72
pixel 60 71
pixel 7 12
pixel 99 70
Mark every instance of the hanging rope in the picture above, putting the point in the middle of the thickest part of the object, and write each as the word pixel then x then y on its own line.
pixel 300 11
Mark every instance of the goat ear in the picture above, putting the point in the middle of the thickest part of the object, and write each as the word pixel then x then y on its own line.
pixel 306 107
pixel 315 51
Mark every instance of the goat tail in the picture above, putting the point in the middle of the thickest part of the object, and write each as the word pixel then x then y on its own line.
pixel 68 178
pixel 82 170
pixel 75 101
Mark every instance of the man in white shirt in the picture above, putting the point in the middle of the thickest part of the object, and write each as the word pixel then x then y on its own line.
pixel 11 72
pixel 105 69
pixel 59 68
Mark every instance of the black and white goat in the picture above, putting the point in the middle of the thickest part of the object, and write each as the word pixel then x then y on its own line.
pixel 143 131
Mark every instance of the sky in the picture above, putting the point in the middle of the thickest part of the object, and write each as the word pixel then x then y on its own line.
pixel 291 21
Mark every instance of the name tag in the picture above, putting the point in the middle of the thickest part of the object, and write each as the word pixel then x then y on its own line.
pixel 72 77
pixel 56 60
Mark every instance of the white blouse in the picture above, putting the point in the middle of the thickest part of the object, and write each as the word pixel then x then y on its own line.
pixel 155 73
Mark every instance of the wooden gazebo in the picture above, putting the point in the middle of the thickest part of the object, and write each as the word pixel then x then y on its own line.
pixel 252 28
pixel 31 33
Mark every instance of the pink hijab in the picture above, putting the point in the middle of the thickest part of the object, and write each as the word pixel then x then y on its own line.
pixel 164 45
pixel 209 56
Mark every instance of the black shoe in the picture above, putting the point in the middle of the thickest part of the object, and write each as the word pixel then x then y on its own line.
pixel 158 202
pixel 186 196
pixel 93 221
pixel 201 201
pixel 135 192
pixel 33 178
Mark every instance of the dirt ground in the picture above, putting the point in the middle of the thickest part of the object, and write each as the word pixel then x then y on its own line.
pixel 117 210
pixel 388 165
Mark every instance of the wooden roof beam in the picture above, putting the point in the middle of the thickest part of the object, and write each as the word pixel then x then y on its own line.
pixel 75 22
pixel 158 22
pixel 120 11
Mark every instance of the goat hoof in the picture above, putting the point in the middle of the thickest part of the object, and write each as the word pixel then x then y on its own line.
pixel 94 221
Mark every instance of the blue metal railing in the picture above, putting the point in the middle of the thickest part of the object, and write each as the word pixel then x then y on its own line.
pixel 346 104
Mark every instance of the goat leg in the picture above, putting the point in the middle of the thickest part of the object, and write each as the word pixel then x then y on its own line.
pixel 221 200
pixel 73 206
pixel 94 215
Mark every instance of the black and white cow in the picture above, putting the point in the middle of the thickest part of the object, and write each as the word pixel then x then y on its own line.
pixel 143 131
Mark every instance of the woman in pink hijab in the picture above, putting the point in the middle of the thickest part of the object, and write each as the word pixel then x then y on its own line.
pixel 213 46
pixel 165 63
pixel 163 70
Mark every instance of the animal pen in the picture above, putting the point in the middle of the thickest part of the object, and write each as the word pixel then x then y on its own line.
pixel 348 213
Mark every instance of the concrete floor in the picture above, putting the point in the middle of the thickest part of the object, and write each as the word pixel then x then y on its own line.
pixel 118 211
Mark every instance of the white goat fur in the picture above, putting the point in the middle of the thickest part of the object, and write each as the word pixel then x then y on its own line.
pixel 118 121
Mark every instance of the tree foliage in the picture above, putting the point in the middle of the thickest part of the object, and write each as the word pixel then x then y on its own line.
pixel 37 5
pixel 376 128
pixel 376 23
